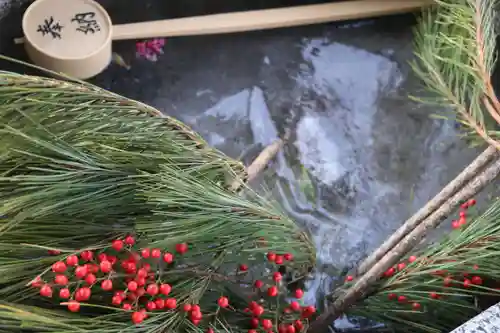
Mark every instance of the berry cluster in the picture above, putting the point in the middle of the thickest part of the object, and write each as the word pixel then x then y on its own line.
pixel 132 279
pixel 457 224
pixel 465 279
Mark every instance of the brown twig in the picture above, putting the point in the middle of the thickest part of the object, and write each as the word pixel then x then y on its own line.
pixel 260 163
pixel 358 290
pixel 456 184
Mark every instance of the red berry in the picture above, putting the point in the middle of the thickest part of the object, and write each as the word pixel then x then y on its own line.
pixel 145 253
pixel 243 268
pixel 171 303
pixel 61 280
pixel 390 272
pixel 73 306
pixel 196 313
pixel 392 296
pixel 87 255
pixel 72 260
pixel 37 282
pixel 132 286
pixel 272 291
pixel 251 331
pixel 223 302
pixel 102 257
pixel 64 293
pixel 140 292
pixel 137 317
pixel 462 221
pixel 155 253
pixel 278 260
pixel 116 300
pixel 54 252
pixel 81 271
pixel 295 306
pixel 477 280
pixel 59 267
pixel 210 330
pixel 467 283
pixel 160 303
pixel 298 325
pixel 290 329
pixel 152 289
pixel 288 256
pixel 258 311
pixel 90 279
pixel 415 306
pixel 471 202
pixel 455 224
pixel 127 306
pixel 308 311
pixel 412 259
pixel 117 245
pixel 129 240
pixel 401 266
pixel 92 268
pixel 165 289
pixel 434 295
pixel 267 324
pixel 299 293
pixel 142 273
pixel 107 285
pixel 475 267
pixel 349 278
pixel 277 276
pixel 258 284
pixel 271 256
pixel 105 266
pixel 151 306
pixel 195 307
pixel 46 291
pixel 140 281
pixel 186 307
pixel 254 323
pixel 402 299
pixel 181 248
pixel 168 257
pixel 82 294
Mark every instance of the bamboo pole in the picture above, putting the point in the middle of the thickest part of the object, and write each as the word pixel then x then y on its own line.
pixel 455 185
pixel 359 289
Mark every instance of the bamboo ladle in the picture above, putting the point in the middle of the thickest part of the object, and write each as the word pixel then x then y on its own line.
pixel 74 36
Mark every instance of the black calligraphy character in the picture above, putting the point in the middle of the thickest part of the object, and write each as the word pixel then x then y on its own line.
pixel 86 22
pixel 50 27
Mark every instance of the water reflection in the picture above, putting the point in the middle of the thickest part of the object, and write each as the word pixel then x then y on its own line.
pixel 372 155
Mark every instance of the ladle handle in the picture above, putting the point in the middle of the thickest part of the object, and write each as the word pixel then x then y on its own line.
pixel 265 19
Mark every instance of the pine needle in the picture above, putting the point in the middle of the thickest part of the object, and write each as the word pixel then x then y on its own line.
pixel 455 50
pixel 80 166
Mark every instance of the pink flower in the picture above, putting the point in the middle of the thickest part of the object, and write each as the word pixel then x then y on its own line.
pixel 150 49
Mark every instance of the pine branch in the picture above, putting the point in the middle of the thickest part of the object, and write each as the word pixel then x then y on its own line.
pixel 455 49
pixel 359 290
pixel 81 166
pixel 459 182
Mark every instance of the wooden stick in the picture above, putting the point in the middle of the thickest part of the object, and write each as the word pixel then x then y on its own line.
pixel 359 289
pixel 467 174
pixel 263 19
